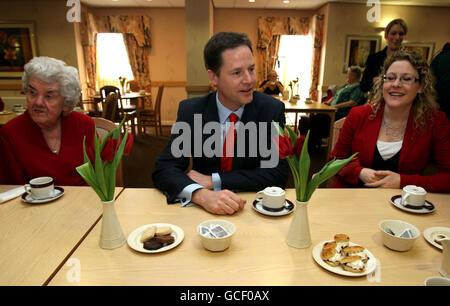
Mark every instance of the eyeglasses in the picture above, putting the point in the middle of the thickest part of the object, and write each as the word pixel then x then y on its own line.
pixel 404 79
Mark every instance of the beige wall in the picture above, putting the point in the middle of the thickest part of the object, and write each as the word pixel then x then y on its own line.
pixel 425 24
pixel 54 36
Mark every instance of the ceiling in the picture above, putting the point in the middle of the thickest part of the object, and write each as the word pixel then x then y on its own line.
pixel 261 4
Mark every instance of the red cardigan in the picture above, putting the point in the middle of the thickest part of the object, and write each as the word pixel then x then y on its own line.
pixel 24 153
pixel 360 134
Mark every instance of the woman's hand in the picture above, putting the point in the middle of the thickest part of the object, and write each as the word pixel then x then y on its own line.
pixel 386 179
pixel 368 176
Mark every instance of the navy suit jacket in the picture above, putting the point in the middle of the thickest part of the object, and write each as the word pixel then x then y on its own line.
pixel 247 175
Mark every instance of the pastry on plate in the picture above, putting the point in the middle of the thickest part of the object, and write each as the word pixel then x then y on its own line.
pixel 353 264
pixel 356 250
pixel 342 241
pixel 331 257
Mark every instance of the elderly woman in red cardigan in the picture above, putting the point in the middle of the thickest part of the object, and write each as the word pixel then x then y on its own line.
pixel 46 140
pixel 398 133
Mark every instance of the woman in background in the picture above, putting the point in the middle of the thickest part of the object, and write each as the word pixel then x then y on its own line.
pixel 394 34
pixel 398 133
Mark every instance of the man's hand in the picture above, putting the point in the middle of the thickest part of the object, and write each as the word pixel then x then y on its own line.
pixel 223 202
pixel 201 179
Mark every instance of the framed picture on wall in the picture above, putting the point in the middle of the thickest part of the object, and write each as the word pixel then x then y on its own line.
pixel 425 49
pixel 17 47
pixel 358 48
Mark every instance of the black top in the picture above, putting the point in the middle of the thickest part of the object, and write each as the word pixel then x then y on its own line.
pixel 374 64
pixel 378 163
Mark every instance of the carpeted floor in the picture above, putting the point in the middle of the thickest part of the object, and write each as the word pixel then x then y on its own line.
pixel 139 165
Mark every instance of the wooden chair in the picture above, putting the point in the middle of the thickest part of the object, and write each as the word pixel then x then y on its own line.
pixel 110 108
pixel 337 129
pixel 152 117
pixel 134 85
pixel 129 111
pixel 103 127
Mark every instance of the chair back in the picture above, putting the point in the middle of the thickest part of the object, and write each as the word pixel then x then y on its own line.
pixel 110 107
pixel 158 100
pixel 134 85
pixel 103 127
pixel 336 130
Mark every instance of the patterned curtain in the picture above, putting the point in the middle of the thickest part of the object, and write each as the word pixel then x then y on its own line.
pixel 317 34
pixel 269 31
pixel 268 28
pixel 136 31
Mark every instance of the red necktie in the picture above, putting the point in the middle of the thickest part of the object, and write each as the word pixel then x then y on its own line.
pixel 226 162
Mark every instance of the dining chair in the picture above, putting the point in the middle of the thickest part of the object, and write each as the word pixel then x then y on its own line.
pixel 133 85
pixel 152 117
pixel 124 111
pixel 103 127
pixel 338 124
pixel 110 108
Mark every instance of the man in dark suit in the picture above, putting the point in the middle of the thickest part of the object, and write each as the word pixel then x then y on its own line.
pixel 202 126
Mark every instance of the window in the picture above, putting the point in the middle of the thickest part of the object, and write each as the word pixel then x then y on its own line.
pixel 112 60
pixel 294 61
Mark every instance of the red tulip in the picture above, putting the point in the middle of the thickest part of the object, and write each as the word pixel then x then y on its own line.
pixel 298 145
pixel 90 153
pixel 128 145
pixel 109 150
pixel 285 146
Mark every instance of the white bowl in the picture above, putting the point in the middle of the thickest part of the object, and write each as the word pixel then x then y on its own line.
pixel 394 242
pixel 217 244
pixel 437 281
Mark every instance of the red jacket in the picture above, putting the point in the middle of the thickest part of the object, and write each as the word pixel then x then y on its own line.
pixel 24 153
pixel 360 134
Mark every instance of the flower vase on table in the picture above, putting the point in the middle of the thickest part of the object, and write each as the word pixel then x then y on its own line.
pixel 99 171
pixel 122 84
pixel 294 148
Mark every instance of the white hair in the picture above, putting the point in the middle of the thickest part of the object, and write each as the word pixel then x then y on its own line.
pixel 51 70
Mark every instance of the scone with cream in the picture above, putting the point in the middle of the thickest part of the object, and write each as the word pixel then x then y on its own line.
pixel 331 256
pixel 353 264
pixel 342 241
pixel 356 250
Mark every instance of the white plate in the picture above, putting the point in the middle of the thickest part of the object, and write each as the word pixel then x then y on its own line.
pixel 134 239
pixel 397 202
pixel 370 265
pixel 257 205
pixel 430 233
pixel 59 191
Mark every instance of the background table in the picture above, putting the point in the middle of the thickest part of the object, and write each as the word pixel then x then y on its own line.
pixel 315 107
pixel 35 239
pixel 258 254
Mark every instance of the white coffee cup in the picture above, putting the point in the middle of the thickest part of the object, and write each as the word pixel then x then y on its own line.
pixel 41 187
pixel 413 195
pixel 272 198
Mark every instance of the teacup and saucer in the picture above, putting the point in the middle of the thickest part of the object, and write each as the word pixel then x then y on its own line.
pixel 413 199
pixel 41 190
pixel 272 202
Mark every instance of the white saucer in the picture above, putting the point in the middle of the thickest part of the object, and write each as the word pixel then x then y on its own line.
pixel 430 234
pixel 371 264
pixel 59 191
pixel 287 209
pixel 397 202
pixel 134 239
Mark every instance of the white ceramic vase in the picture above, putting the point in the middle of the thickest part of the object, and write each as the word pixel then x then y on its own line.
pixel 299 235
pixel 111 236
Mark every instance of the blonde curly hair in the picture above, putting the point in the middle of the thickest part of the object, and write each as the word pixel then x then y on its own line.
pixel 424 104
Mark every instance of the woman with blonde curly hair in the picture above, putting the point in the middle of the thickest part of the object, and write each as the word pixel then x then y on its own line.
pixel 398 133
